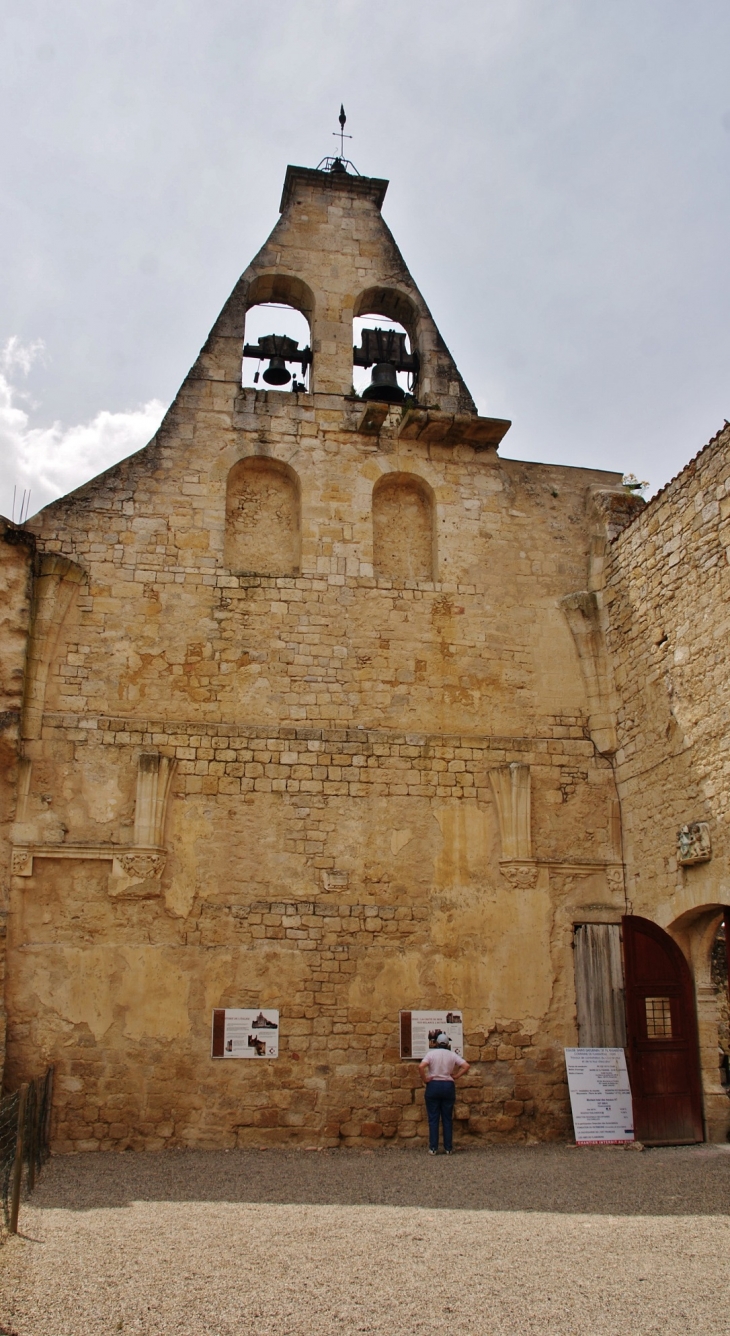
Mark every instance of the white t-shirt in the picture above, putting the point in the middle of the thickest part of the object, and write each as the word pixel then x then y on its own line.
pixel 441 1063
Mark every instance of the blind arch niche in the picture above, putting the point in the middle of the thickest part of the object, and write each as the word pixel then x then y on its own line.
pixel 404 544
pixel 263 524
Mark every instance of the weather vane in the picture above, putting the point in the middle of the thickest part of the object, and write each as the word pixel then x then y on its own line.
pixel 341 131
pixel 340 163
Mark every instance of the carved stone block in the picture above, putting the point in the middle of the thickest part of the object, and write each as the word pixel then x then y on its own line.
pixel 142 865
pixel 136 876
pixel 694 844
pixel 615 879
pixel 521 876
pixel 21 863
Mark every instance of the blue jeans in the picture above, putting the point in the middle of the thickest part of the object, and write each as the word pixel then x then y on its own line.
pixel 440 1100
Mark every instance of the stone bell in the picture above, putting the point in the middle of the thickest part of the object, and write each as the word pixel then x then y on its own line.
pixel 276 372
pixel 384 385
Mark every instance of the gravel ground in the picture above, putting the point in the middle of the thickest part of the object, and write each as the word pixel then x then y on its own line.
pixel 503 1240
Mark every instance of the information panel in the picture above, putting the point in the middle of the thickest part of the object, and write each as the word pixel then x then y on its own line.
pixel 600 1096
pixel 238 1033
pixel 418 1030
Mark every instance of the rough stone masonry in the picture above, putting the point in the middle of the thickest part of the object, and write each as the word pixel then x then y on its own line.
pixel 308 705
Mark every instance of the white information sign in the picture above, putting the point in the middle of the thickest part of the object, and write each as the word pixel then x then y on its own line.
pixel 600 1096
pixel 418 1030
pixel 239 1033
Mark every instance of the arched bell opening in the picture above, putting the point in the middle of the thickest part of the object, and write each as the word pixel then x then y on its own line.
pixel 277 334
pixel 385 354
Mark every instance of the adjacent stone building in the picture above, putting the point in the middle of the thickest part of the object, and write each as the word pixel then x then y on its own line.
pixel 320 704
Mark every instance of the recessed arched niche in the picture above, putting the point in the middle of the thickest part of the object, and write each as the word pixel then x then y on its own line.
pixel 279 305
pixel 263 525
pixel 403 528
pixel 389 311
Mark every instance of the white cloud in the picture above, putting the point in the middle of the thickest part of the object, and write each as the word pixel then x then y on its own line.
pixel 50 461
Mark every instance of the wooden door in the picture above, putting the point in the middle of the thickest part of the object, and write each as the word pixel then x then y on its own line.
pixel 599 985
pixel 663 1049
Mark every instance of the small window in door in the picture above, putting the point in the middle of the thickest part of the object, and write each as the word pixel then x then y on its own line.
pixel 658 1017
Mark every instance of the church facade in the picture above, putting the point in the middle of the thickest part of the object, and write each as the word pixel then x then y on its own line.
pixel 318 705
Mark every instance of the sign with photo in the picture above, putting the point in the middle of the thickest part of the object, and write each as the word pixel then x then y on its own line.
pixel 240 1033
pixel 600 1096
pixel 418 1030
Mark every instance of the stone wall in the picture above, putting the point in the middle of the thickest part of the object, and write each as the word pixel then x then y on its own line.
pixel 17 549
pixel 305 726
pixel 395 842
pixel 667 599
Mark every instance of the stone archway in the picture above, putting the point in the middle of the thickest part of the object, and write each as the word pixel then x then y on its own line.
pixel 695 931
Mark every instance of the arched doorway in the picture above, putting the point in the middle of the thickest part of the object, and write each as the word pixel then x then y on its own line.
pixel 662 1037
pixel 700 932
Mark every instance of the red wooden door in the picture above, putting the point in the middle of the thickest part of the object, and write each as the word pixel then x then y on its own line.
pixel 663 1049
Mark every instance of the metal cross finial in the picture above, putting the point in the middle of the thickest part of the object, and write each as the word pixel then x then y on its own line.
pixel 341 131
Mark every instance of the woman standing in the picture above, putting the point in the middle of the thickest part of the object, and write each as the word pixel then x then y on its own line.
pixel 440 1070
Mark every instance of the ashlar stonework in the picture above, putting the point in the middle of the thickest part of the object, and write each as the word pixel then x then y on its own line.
pixel 311 705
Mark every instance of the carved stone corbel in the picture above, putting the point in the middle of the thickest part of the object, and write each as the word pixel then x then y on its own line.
pixel 521 876
pixel 21 863
pixel 136 874
pixel 616 879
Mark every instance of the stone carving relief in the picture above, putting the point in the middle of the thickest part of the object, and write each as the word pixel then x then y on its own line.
pixel 136 872
pixel 136 876
pixel 521 876
pixel 21 863
pixel 142 865
pixel 615 879
pixel 694 844
pixel 512 795
pixel 154 776
pixel 511 786
pixel 137 868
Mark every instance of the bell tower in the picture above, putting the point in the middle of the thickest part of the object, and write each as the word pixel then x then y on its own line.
pixel 302 688
pixel 332 257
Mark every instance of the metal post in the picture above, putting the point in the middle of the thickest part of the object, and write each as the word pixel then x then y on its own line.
pixel 33 1134
pixel 46 1132
pixel 18 1165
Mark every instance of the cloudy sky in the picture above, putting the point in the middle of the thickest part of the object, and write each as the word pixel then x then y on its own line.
pixel 559 187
